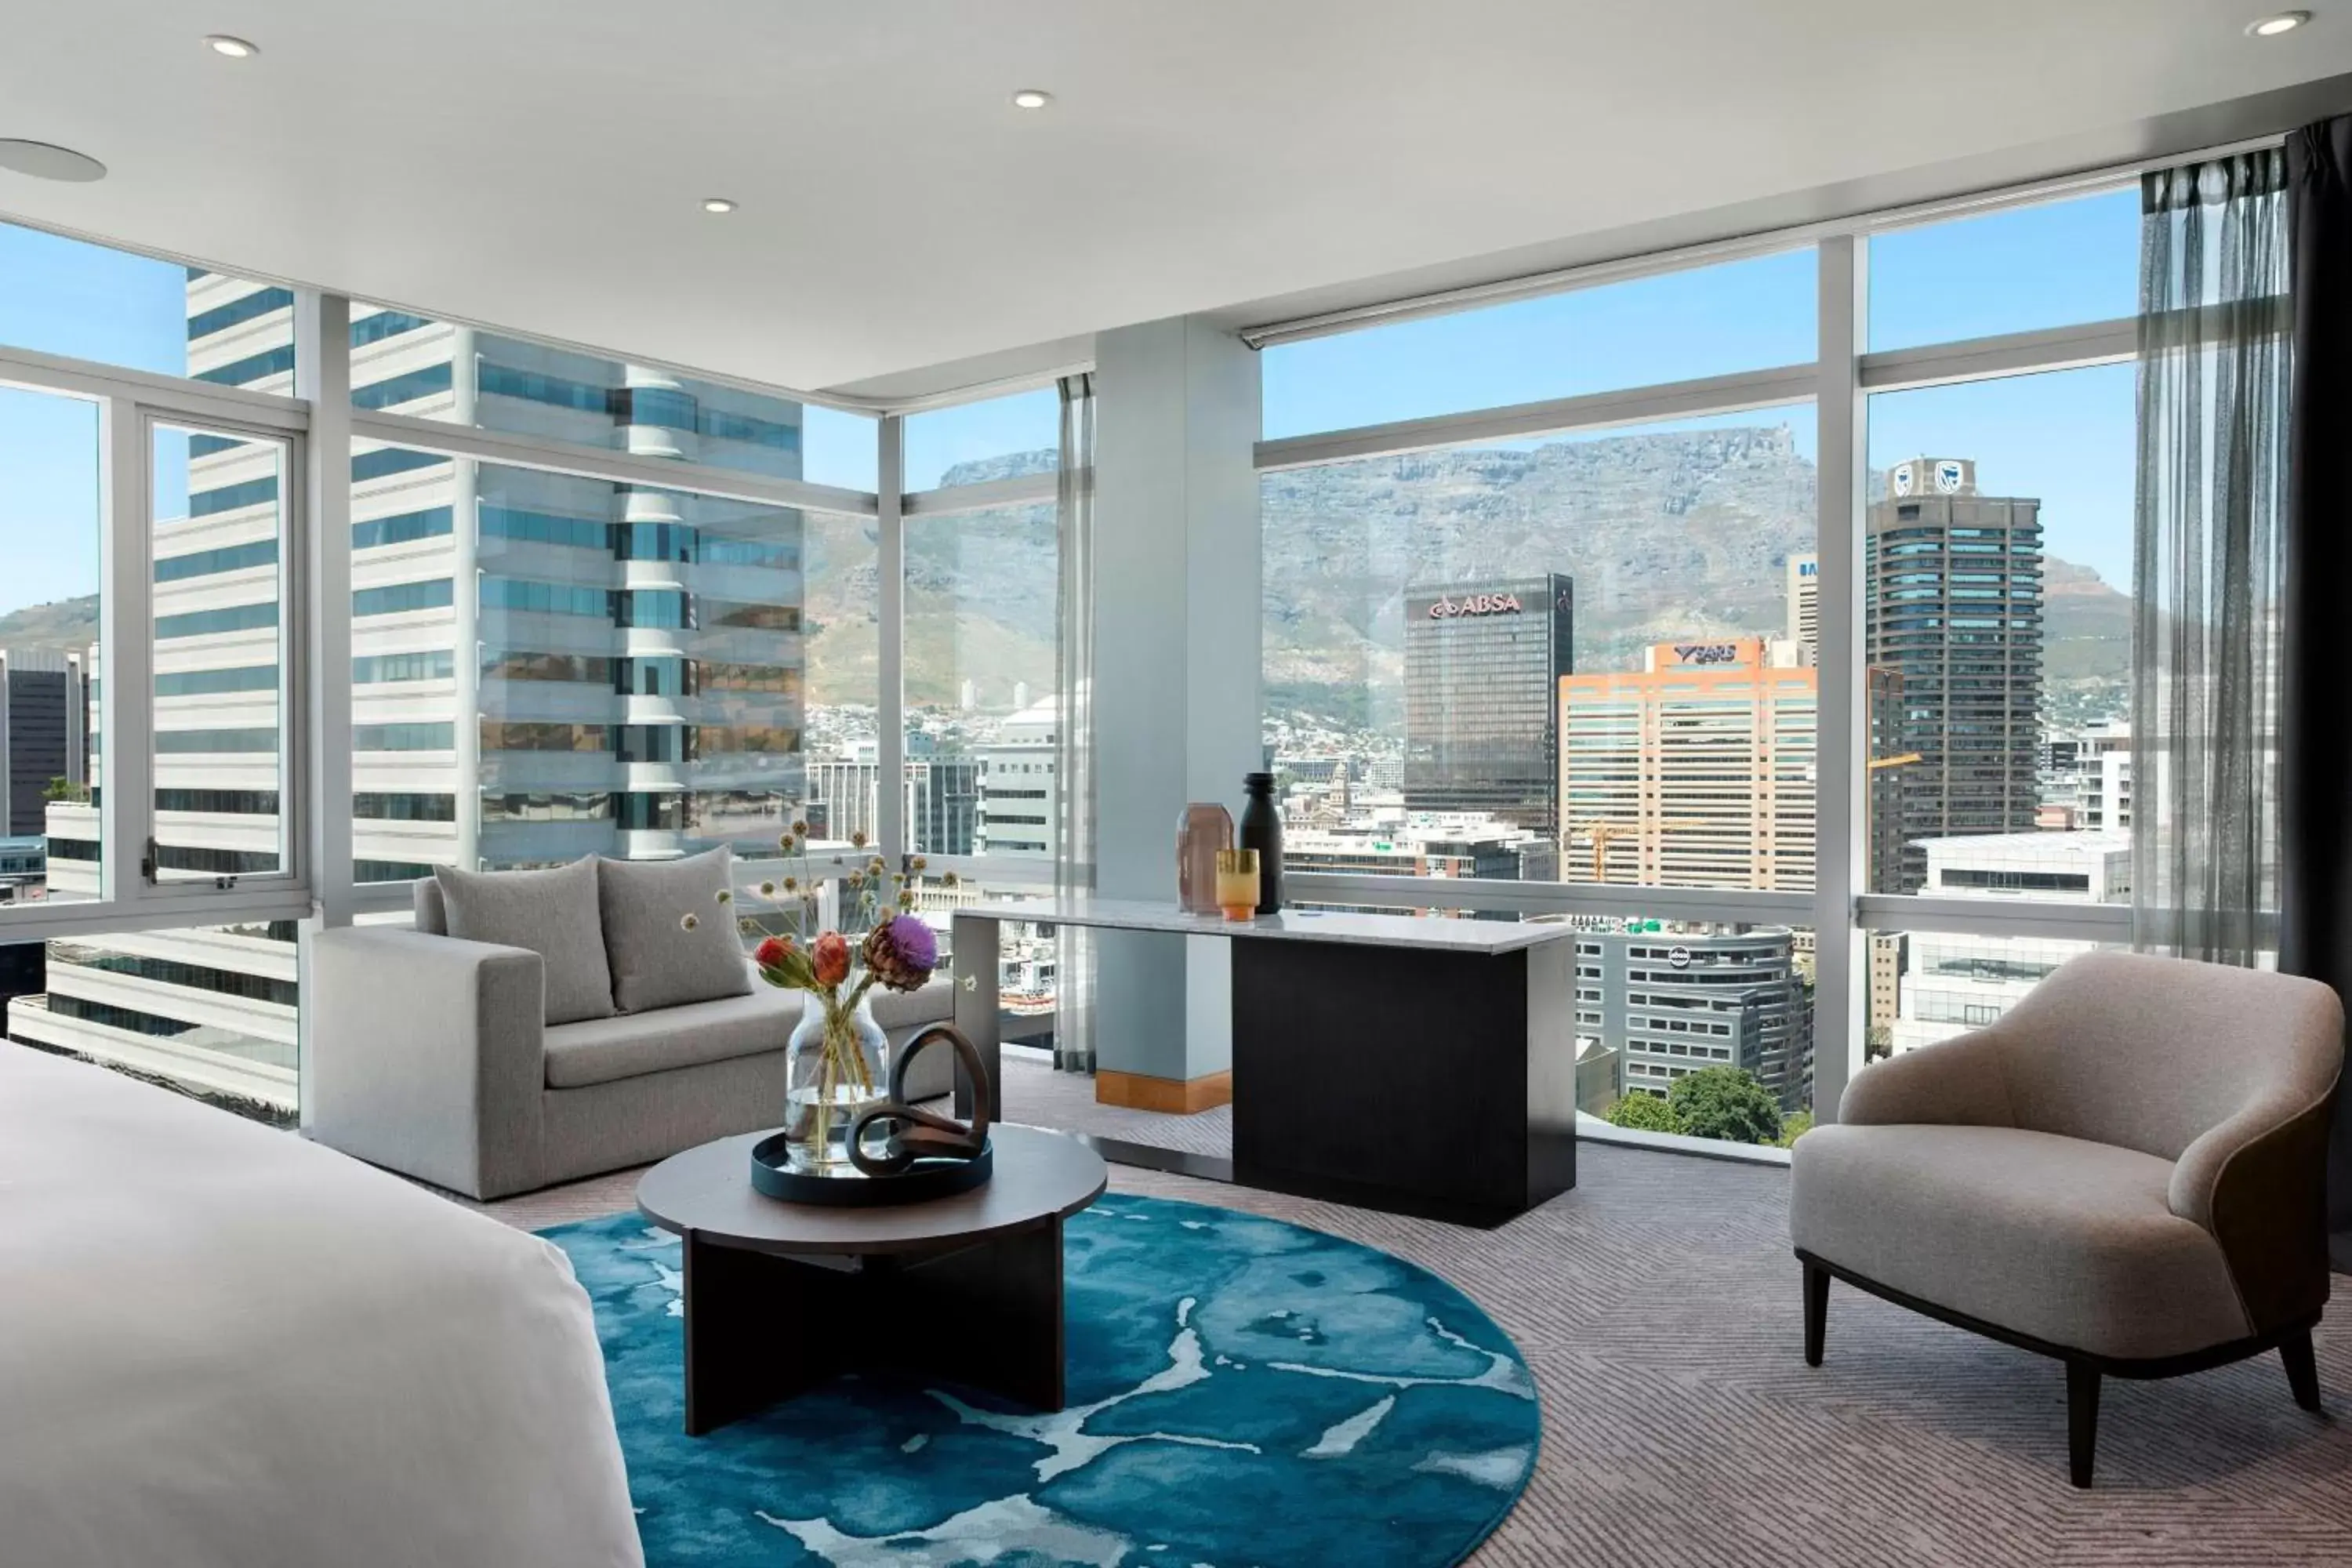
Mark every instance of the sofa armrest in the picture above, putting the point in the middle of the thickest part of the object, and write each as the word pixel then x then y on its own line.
pixel 1954 1083
pixel 427 1056
pixel 2258 1181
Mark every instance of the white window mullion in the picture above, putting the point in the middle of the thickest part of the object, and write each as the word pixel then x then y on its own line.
pixel 891 571
pixel 1841 972
pixel 125 663
pixel 323 594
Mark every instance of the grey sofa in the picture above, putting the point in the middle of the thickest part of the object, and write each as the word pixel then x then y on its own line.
pixel 430 1056
pixel 2126 1172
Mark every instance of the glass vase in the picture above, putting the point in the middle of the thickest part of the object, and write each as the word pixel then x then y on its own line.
pixel 834 1069
pixel 1204 830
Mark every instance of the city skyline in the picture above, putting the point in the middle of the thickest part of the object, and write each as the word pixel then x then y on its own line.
pixel 2014 418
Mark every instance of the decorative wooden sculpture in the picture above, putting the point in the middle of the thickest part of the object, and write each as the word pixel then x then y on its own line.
pixel 922 1134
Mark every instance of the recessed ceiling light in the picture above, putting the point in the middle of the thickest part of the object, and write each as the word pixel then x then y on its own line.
pixel 717 204
pixel 2272 26
pixel 44 162
pixel 235 48
pixel 1032 98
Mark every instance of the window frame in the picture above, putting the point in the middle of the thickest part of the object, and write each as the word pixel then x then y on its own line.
pixel 130 405
pixel 1842 911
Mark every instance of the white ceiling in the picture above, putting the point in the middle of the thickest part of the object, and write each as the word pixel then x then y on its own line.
pixel 539 164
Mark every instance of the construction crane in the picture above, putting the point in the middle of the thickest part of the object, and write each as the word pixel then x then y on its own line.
pixel 1607 831
pixel 1900 759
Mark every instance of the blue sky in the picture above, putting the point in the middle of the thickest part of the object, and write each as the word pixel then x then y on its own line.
pixel 936 441
pixel 2066 438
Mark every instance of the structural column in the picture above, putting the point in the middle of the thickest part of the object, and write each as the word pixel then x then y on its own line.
pixel 1176 697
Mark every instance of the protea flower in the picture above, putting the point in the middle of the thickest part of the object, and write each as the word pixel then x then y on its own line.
pixel 830 957
pixel 900 953
pixel 782 963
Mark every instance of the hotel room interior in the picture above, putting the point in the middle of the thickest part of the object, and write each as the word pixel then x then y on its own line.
pixel 1303 785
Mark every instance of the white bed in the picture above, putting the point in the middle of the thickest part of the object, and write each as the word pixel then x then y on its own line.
pixel 221 1344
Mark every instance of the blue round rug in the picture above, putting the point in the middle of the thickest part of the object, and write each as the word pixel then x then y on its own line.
pixel 1241 1392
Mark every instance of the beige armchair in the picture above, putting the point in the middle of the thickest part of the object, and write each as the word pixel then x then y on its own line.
pixel 2126 1172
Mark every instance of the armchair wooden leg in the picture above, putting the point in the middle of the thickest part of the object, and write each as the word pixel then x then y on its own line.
pixel 2082 1419
pixel 1817 1311
pixel 2302 1369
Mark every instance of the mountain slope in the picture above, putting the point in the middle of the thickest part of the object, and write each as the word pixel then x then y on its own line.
pixel 62 626
pixel 1666 535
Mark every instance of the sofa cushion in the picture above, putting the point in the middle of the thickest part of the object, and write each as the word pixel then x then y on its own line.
pixel 2068 1241
pixel 656 960
pixel 553 913
pixel 631 1045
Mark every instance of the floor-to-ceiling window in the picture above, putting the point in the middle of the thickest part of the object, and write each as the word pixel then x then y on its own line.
pixel 982 714
pixel 1618 492
pixel 594 607
pixel 1539 633
pixel 1997 581
pixel 1552 617
pixel 150 506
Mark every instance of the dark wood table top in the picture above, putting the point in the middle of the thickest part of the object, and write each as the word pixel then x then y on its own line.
pixel 1039 1175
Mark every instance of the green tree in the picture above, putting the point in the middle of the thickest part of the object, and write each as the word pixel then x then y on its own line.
pixel 1795 1125
pixel 1725 1102
pixel 1644 1112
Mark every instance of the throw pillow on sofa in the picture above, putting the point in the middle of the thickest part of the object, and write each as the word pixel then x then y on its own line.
pixel 553 913
pixel 656 960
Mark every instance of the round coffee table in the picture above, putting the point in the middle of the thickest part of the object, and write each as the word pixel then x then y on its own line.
pixel 781 1297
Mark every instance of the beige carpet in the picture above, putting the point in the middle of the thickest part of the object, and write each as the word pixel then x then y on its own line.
pixel 1658 1305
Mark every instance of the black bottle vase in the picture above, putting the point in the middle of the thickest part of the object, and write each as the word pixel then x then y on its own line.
pixel 1261 829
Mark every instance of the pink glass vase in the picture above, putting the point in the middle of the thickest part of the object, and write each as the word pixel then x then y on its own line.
pixel 1205 830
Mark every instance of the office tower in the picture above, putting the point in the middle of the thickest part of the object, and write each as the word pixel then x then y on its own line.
pixel 42 704
pixel 1888 952
pixel 1882 695
pixel 1483 662
pixel 1696 771
pixel 1020 794
pixel 1953 607
pixel 630 680
pixel 1672 1002
pixel 2088 774
pixel 1805 606
pixel 941 798
pixel 545 667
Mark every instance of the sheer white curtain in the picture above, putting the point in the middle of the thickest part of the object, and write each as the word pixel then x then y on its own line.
pixel 2209 556
pixel 1073 1024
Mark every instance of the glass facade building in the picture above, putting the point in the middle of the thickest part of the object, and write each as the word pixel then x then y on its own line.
pixel 1483 663
pixel 1952 585
pixel 544 665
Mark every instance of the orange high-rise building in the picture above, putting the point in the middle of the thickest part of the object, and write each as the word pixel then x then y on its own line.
pixel 1696 771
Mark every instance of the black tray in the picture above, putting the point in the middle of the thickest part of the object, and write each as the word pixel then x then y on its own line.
pixel 923 1180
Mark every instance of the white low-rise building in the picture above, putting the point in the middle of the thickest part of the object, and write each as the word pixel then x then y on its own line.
pixel 1951 982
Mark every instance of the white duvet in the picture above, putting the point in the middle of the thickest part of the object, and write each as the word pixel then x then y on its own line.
pixel 220 1345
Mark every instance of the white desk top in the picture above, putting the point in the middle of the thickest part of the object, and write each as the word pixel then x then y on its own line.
pixel 1439 933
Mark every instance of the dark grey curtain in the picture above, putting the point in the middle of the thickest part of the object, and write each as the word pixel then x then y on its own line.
pixel 1074 998
pixel 2209 555
pixel 2316 894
